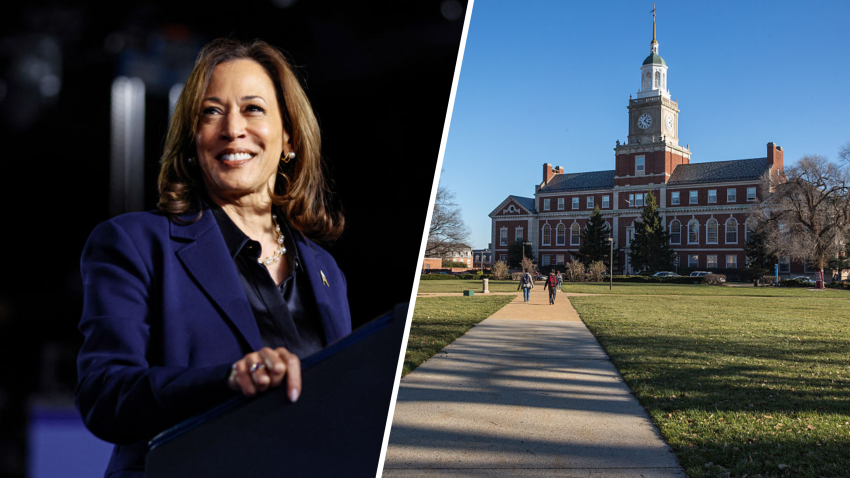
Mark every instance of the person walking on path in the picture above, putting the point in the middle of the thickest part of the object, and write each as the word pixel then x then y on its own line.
pixel 526 283
pixel 560 281
pixel 552 284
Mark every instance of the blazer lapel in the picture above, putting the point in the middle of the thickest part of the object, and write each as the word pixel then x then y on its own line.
pixel 208 261
pixel 326 303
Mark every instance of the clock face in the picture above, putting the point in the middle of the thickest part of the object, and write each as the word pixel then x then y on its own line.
pixel 669 121
pixel 645 121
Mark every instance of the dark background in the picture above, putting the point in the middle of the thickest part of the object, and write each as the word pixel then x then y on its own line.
pixel 379 75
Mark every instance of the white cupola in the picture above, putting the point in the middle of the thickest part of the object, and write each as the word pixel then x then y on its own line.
pixel 653 72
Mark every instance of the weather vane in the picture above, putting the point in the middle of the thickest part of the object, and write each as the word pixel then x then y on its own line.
pixel 653 13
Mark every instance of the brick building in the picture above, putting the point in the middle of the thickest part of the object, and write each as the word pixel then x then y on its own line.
pixel 704 206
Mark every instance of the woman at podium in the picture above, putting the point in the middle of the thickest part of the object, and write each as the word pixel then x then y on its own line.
pixel 223 288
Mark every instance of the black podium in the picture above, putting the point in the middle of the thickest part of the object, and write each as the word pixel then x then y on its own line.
pixel 335 429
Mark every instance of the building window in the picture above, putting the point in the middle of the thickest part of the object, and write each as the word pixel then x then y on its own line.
pixel 675 232
pixel 575 234
pixel 748 231
pixel 674 198
pixel 605 203
pixel 545 259
pixel 711 231
pixel 547 235
pixel 732 261
pixel 630 235
pixel 731 231
pixel 639 166
pixel 518 234
pixel 693 232
pixel 561 235
pixel 751 194
pixel 784 265
pixel 575 203
pixel 692 197
pixel 590 202
pixel 503 236
pixel 560 204
pixel 676 260
pixel 636 200
pixel 712 196
pixel 559 259
pixel 730 195
pixel 693 261
pixel 546 204
pixel 711 261
pixel 503 257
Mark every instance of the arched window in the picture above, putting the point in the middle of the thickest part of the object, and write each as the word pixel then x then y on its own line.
pixel 711 231
pixel 547 235
pixel 731 231
pixel 561 235
pixel 575 234
pixel 664 81
pixel 647 80
pixel 693 232
pixel 658 79
pixel 675 232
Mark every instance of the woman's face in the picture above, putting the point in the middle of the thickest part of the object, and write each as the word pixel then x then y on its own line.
pixel 240 135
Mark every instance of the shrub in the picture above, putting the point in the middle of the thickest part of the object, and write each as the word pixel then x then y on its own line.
pixel 500 271
pixel 767 280
pixel 437 277
pixel 715 279
pixel 575 271
pixel 595 270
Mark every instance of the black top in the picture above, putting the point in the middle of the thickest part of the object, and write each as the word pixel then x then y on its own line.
pixel 286 314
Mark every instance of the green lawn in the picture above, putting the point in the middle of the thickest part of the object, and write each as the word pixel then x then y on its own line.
pixel 738 385
pixel 438 321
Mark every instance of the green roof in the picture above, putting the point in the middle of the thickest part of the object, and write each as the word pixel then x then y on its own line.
pixel 653 58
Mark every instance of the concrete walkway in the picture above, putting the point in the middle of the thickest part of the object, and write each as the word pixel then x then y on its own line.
pixel 528 392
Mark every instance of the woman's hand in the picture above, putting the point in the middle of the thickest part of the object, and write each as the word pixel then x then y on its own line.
pixel 266 368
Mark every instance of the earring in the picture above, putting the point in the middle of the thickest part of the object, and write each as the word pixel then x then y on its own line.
pixel 287 157
pixel 191 160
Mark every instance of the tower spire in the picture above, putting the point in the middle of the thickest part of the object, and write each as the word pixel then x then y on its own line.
pixel 653 46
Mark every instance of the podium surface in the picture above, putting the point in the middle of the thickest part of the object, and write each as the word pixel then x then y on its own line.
pixel 335 429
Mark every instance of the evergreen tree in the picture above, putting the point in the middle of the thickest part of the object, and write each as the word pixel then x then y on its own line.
pixel 515 254
pixel 650 248
pixel 758 259
pixel 594 240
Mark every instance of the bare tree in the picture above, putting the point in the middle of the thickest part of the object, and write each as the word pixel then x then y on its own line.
pixel 447 231
pixel 806 216
pixel 528 265
pixel 844 153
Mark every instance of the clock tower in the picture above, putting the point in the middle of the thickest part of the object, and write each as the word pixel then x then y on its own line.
pixel 652 150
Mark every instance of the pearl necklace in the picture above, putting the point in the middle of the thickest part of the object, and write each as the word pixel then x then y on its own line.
pixel 281 249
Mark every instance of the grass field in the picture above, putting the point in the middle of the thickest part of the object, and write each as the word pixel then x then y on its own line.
pixel 438 321
pixel 753 383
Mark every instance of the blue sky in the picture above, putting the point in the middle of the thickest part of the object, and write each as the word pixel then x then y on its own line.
pixel 549 82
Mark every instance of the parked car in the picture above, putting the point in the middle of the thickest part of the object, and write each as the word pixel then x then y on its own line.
pixel 806 279
pixel 665 274
pixel 700 274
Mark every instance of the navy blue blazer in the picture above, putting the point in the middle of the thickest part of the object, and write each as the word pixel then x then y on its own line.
pixel 164 318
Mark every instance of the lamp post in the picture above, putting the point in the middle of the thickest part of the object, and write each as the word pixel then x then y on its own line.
pixel 611 264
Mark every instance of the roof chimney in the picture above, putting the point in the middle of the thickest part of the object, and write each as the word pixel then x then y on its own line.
pixel 774 157
pixel 549 172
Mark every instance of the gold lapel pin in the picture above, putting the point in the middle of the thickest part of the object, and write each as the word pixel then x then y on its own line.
pixel 324 279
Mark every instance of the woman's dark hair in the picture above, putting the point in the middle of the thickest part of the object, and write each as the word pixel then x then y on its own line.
pixel 300 191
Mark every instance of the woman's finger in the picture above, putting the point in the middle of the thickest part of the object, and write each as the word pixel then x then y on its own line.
pixel 293 375
pixel 242 378
pixel 275 367
pixel 257 370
